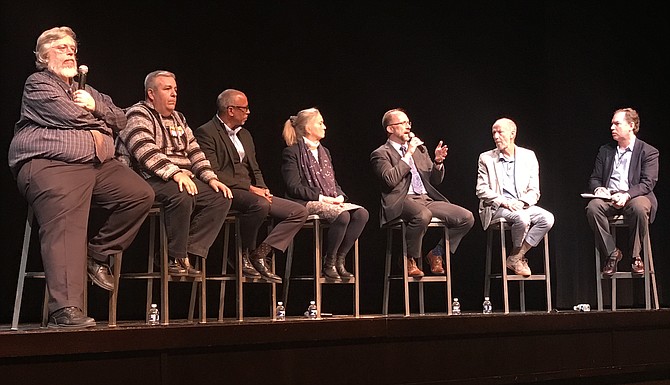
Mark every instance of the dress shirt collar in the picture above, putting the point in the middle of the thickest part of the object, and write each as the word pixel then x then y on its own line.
pixel 629 147
pixel 229 131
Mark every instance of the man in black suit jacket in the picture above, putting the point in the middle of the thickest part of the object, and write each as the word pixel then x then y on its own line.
pixel 410 194
pixel 231 151
pixel 624 174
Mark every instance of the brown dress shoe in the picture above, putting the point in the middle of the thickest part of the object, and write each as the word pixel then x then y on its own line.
pixel 412 269
pixel 435 263
pixel 638 266
pixel 610 265
pixel 185 264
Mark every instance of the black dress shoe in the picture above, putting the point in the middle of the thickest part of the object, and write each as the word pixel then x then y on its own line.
pixel 70 317
pixel 247 269
pixel 175 269
pixel 259 265
pixel 610 265
pixel 99 274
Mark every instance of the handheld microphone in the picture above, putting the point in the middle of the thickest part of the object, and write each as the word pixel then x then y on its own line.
pixel 83 70
pixel 421 147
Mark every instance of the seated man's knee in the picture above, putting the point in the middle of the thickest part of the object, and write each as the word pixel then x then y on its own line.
pixel 549 219
pixel 262 206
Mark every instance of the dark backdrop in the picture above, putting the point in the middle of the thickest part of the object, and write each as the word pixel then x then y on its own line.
pixel 558 68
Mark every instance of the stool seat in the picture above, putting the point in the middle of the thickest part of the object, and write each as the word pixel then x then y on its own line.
pixel 649 276
pixel 500 225
pixel 317 224
pixel 400 225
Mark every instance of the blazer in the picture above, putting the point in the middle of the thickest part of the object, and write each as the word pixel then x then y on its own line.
pixel 222 154
pixel 642 173
pixel 489 181
pixel 297 187
pixel 395 178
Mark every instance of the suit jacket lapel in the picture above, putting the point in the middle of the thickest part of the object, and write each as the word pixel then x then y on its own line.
pixel 498 170
pixel 635 167
pixel 223 134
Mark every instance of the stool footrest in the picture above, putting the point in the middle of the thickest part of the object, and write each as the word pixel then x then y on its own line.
pixel 516 277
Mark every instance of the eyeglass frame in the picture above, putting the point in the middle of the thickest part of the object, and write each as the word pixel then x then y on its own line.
pixel 65 48
pixel 407 122
pixel 244 109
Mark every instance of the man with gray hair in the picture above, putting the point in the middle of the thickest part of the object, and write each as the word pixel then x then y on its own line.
pixel 62 156
pixel 160 146
pixel 508 186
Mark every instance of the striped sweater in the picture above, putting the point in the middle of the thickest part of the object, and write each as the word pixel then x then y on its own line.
pixel 158 146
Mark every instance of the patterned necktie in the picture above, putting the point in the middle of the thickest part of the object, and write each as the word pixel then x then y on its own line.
pixel 417 184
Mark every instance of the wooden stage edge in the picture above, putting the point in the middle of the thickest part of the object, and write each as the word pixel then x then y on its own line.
pixel 626 346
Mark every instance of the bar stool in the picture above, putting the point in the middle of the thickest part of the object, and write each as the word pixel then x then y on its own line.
pixel 318 225
pixel 232 225
pixel 649 275
pixel 23 274
pixel 501 225
pixel 400 225
pixel 156 218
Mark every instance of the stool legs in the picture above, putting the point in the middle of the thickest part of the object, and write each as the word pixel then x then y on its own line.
pixel 649 275
pixel 116 261
pixel 400 226
pixel 22 269
pixel 318 229
pixel 501 227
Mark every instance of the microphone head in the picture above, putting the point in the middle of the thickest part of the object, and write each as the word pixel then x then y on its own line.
pixel 83 69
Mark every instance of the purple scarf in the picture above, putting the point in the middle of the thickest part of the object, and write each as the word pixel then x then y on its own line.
pixel 319 173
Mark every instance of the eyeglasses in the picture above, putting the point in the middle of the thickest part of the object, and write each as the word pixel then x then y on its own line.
pixel 241 108
pixel 406 122
pixel 65 48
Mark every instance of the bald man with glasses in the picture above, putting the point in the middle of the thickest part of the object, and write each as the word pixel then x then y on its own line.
pixel 230 148
pixel 407 179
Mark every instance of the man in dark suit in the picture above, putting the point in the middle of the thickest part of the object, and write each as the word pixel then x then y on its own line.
pixel 624 176
pixel 407 179
pixel 231 151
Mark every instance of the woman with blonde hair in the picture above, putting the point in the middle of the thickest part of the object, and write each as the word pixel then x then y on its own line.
pixel 307 170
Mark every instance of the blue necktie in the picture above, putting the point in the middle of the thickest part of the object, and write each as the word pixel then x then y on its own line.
pixel 417 184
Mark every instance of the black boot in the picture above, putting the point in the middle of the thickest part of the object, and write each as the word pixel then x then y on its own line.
pixel 339 266
pixel 257 259
pixel 329 270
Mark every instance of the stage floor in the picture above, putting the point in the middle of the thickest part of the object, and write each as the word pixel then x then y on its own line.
pixel 626 346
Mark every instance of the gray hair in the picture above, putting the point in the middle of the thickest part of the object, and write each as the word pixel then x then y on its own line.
pixel 46 39
pixel 150 79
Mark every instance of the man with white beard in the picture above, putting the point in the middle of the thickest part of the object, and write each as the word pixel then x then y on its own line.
pixel 62 156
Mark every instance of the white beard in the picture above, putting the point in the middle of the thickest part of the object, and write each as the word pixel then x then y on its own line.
pixel 68 72
pixel 61 70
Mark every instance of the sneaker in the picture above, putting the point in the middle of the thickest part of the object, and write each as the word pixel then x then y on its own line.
pixel 518 264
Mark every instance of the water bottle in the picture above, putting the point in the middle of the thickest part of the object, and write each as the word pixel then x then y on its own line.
pixel 280 312
pixel 311 310
pixel 488 308
pixel 154 317
pixel 456 307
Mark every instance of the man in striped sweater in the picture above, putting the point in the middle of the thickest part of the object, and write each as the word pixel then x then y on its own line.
pixel 160 146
